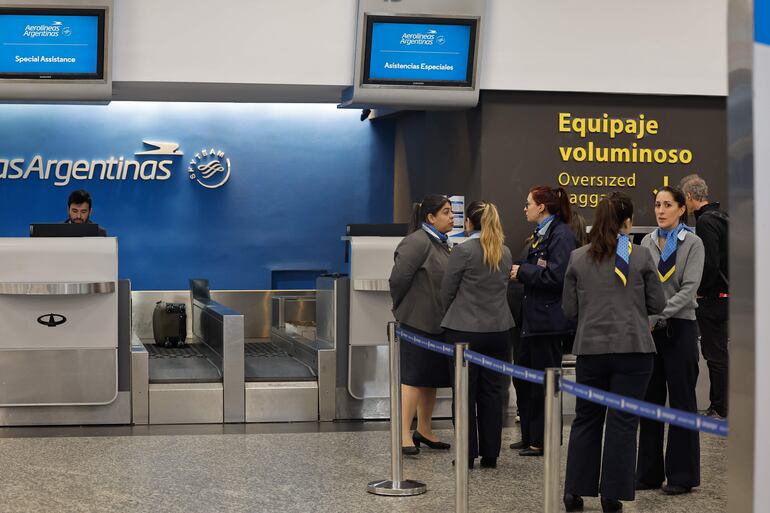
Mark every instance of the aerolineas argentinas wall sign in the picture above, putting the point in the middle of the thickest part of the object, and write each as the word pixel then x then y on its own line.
pixel 157 162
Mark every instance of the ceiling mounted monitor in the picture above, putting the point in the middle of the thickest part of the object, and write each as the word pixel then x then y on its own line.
pixel 55 52
pixel 416 54
pixel 420 51
pixel 44 44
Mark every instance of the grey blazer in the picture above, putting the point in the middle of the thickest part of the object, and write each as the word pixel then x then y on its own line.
pixel 612 318
pixel 475 296
pixel 682 287
pixel 415 281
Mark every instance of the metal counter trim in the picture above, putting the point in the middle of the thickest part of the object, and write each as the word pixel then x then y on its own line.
pixel 373 284
pixel 56 288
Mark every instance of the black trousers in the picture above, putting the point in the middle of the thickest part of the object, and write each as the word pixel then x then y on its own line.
pixel 486 392
pixel 675 369
pixel 536 352
pixel 712 316
pixel 624 374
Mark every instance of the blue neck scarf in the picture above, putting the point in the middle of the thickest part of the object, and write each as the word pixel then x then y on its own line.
pixel 442 237
pixel 540 230
pixel 475 234
pixel 622 256
pixel 543 226
pixel 667 263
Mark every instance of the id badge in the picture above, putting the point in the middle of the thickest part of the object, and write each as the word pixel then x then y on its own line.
pixel 542 263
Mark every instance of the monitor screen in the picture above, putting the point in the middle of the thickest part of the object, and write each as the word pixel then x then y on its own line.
pixel 52 43
pixel 419 51
pixel 66 230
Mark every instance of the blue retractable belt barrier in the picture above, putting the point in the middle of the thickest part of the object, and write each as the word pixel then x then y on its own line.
pixel 671 416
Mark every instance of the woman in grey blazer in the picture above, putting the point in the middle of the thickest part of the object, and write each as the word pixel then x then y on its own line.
pixel 474 294
pixel 610 287
pixel 415 287
pixel 679 256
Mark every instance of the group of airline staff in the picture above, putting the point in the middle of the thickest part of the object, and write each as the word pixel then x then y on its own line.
pixel 630 308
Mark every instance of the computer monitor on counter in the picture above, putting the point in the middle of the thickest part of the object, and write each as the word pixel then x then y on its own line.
pixel 66 230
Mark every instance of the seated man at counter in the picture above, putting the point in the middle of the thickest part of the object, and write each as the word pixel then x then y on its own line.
pixel 79 208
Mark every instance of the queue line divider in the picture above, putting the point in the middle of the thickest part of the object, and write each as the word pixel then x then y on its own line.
pixel 679 418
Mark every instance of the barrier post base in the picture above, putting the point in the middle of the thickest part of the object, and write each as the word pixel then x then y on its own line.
pixel 397 488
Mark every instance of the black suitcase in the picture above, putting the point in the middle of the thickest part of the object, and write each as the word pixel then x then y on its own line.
pixel 169 324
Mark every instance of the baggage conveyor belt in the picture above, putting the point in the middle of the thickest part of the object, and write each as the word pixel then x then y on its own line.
pixel 188 363
pixel 265 361
pixel 195 363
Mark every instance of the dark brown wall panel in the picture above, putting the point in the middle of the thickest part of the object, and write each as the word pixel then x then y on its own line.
pixel 512 141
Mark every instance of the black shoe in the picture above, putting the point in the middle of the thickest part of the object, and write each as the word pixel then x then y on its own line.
pixel 531 451
pixel 418 439
pixel 471 462
pixel 410 451
pixel 611 505
pixel 488 462
pixel 714 414
pixel 670 489
pixel 645 486
pixel 573 502
pixel 521 444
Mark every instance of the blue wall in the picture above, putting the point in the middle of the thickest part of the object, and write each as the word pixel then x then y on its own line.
pixel 299 174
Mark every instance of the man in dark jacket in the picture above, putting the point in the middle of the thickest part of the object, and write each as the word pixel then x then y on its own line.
pixel 711 225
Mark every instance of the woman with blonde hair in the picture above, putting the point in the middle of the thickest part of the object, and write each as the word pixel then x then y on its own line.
pixel 474 295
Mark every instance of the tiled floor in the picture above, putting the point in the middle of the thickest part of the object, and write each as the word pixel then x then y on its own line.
pixel 277 468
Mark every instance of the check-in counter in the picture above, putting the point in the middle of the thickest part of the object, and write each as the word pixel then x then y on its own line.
pixel 371 261
pixel 61 311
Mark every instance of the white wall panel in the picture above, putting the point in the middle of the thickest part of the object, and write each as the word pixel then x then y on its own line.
pixel 624 46
pixel 235 41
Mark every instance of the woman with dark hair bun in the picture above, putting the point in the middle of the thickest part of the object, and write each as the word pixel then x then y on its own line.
pixel 611 286
pixel 415 288
pixel 679 255
pixel 544 326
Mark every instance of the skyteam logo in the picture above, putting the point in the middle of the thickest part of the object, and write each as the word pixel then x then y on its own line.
pixel 210 168
pixel 426 38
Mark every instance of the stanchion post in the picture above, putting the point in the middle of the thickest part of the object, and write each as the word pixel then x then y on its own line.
pixel 396 485
pixel 461 429
pixel 552 445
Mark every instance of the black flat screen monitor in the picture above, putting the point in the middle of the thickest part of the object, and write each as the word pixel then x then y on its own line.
pixel 52 43
pixel 66 230
pixel 419 51
pixel 200 288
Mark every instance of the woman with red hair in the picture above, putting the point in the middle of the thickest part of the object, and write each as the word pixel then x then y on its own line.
pixel 544 325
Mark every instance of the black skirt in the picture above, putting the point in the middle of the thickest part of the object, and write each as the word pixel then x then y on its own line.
pixel 421 367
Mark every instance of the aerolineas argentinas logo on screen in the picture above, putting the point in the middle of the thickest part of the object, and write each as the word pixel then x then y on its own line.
pixel 54 30
pixel 427 38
